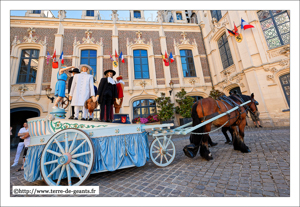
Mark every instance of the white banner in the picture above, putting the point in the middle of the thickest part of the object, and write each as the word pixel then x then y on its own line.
pixel 59 190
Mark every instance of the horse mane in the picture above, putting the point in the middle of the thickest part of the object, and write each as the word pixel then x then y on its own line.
pixel 244 97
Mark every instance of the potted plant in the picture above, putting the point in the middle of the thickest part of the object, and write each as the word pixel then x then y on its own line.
pixel 185 107
pixel 166 112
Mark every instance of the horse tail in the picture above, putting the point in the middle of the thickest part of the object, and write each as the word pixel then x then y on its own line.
pixel 195 139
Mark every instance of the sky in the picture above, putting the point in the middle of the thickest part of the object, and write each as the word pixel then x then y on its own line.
pixel 105 14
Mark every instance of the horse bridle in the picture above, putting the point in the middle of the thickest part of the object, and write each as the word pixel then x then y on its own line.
pixel 247 108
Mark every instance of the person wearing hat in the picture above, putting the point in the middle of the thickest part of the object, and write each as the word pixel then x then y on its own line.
pixel 60 86
pixel 73 72
pixel 81 90
pixel 107 93
pixel 120 87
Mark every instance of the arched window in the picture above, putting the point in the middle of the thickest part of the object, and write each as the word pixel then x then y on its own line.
pixel 137 14
pixel 187 62
pixel 225 53
pixel 144 108
pixel 276 27
pixel 216 14
pixel 28 66
pixel 141 69
pixel 89 57
pixel 197 98
pixel 237 89
pixel 90 13
pixel 285 83
pixel 194 18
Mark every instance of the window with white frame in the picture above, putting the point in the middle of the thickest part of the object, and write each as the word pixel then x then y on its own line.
pixel 28 66
pixel 137 14
pixel 143 108
pixel 179 16
pixel 187 62
pixel 216 14
pixel 89 57
pixel 225 53
pixel 141 69
pixel 36 11
pixel 276 27
pixel 90 13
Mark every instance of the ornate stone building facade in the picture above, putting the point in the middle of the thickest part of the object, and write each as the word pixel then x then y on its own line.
pixel 191 36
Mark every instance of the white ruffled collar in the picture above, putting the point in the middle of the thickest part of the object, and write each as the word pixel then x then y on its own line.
pixel 120 81
pixel 110 80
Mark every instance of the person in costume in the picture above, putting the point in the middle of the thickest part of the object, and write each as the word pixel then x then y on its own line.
pixel 92 105
pixel 81 90
pixel 107 93
pixel 73 72
pixel 60 86
pixel 120 87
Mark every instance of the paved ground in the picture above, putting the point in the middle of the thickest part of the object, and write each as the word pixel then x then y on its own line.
pixel 263 172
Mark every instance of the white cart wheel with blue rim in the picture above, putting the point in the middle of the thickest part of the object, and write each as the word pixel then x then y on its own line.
pixel 72 152
pixel 162 151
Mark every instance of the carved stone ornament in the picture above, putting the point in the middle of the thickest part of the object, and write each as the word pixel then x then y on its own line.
pixel 156 90
pixel 184 41
pixel 192 82
pixel 139 40
pixel 143 84
pixel 29 39
pixel 279 51
pixel 88 40
pixel 270 77
pixel 115 15
pixel 228 71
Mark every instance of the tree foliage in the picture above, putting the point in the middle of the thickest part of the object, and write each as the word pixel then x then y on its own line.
pixel 185 104
pixel 166 108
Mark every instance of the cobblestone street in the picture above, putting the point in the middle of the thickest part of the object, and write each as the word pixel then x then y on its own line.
pixel 265 172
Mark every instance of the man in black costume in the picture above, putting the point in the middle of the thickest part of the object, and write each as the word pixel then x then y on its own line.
pixel 106 94
pixel 73 71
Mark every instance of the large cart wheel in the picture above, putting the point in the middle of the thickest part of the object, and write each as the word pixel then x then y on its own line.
pixel 65 102
pixel 70 150
pixel 162 151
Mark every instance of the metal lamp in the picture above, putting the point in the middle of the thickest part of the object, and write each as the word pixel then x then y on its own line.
pixel 171 86
pixel 48 91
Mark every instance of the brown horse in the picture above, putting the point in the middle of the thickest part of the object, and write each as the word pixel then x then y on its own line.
pixel 208 108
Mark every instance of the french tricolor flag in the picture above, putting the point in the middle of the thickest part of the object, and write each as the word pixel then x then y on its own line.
pixel 245 25
pixel 122 57
pixel 171 57
pixel 62 57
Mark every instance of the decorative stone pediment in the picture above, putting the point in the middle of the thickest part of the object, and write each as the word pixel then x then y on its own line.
pixel 228 71
pixel 139 40
pixel 30 38
pixel 88 39
pixel 184 41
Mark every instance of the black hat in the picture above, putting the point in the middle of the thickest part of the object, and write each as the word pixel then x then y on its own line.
pixel 114 72
pixel 75 70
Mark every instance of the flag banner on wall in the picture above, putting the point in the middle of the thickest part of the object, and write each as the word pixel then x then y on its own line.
pixel 116 55
pixel 122 57
pixel 171 57
pixel 231 33
pixel 111 57
pixel 166 60
pixel 239 38
pixel 62 57
pixel 48 57
pixel 54 56
pixel 245 25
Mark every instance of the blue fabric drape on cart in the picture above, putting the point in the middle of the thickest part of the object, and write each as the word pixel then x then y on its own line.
pixel 111 153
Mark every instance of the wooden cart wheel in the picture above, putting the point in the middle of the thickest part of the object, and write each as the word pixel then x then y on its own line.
pixel 162 151
pixel 65 102
pixel 67 158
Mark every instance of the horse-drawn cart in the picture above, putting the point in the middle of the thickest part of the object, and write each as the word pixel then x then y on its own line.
pixel 66 152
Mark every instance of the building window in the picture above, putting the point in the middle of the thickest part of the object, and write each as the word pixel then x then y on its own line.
pixel 197 98
pixel 216 14
pixel 171 19
pixel 90 13
pixel 187 62
pixel 285 83
pixel 276 27
pixel 137 14
pixel 36 11
pixel 28 66
pixel 89 57
pixel 179 16
pixel 237 89
pixel 225 52
pixel 141 69
pixel 144 108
